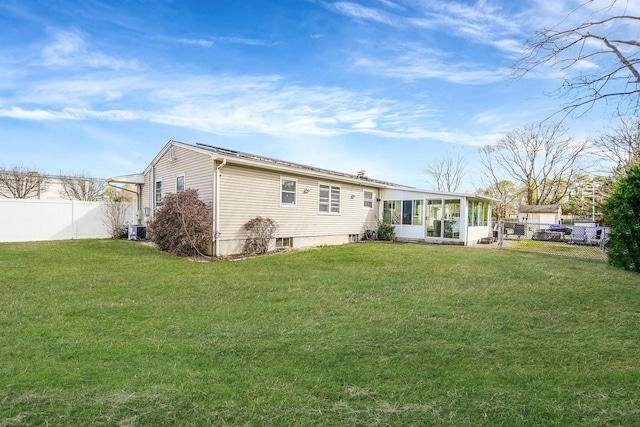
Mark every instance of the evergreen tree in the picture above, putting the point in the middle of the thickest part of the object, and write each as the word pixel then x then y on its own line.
pixel 622 212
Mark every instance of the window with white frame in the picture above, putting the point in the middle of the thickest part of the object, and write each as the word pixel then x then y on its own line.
pixel 288 191
pixel 392 212
pixel 405 212
pixel 179 183
pixel 328 199
pixel 158 189
pixel 284 242
pixel 368 199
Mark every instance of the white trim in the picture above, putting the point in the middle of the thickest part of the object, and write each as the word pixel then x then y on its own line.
pixel 281 191
pixel 364 199
pixel 329 206
pixel 183 175
pixel 155 192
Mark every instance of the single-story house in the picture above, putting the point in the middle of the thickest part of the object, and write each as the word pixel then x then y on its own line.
pixel 541 214
pixel 312 206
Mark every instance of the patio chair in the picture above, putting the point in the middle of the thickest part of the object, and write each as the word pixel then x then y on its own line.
pixel 578 235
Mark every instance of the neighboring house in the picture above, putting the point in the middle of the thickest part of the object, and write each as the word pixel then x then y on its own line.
pixel 312 206
pixel 542 214
pixel 50 187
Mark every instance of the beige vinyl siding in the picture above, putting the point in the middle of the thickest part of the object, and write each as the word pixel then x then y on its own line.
pixel 146 192
pixel 249 192
pixel 197 168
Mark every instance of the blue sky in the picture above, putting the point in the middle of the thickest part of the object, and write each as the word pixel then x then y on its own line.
pixel 388 86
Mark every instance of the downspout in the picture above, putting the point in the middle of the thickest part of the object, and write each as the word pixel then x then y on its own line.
pixel 152 191
pixel 216 218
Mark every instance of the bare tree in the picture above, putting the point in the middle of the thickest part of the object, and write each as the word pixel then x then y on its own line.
pixel 539 158
pixel 597 48
pixel 82 187
pixel 114 219
pixel 621 145
pixel 20 183
pixel 509 195
pixel 447 173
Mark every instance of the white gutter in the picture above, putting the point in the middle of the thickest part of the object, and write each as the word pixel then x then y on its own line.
pixel 216 219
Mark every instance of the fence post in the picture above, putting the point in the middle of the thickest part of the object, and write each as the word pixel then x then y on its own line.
pixel 500 232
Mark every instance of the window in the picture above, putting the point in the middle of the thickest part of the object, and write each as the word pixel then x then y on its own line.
pixel 288 191
pixel 452 219
pixel 328 199
pixel 418 212
pixel 179 183
pixel 478 215
pixel 368 199
pixel 284 242
pixel 407 210
pixel 392 212
pixel 482 213
pixel 434 212
pixel 472 214
pixel 158 193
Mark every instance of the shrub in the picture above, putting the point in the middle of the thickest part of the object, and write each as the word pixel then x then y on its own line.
pixel 622 212
pixel 386 231
pixel 114 218
pixel 182 226
pixel 259 235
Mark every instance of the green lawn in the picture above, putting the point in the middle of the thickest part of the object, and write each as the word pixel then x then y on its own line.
pixel 103 332
pixel 558 248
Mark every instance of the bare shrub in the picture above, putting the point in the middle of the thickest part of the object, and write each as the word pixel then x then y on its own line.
pixel 259 235
pixel 115 218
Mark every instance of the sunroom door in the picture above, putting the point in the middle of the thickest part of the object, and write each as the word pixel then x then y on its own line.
pixel 434 218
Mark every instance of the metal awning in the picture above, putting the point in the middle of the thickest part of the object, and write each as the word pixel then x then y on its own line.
pixel 136 178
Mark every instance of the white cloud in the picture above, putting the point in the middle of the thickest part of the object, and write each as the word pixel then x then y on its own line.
pixel 222 105
pixel 69 49
pixel 70 114
pixel 357 11
pixel 197 42
pixel 225 105
pixel 411 62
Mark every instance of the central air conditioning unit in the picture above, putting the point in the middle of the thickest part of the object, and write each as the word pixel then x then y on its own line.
pixel 137 232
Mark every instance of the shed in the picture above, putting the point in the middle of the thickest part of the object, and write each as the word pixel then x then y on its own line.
pixel 542 214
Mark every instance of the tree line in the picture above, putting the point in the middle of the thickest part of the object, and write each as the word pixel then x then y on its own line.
pixel 596 50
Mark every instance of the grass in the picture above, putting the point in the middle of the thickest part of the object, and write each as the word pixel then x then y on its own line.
pixel 102 332
pixel 558 248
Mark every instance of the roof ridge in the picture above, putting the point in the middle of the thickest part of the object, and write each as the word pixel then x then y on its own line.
pixel 256 157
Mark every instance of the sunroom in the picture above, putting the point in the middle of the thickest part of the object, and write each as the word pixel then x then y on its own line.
pixel 437 217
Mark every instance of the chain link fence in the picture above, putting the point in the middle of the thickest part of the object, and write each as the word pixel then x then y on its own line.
pixel 584 240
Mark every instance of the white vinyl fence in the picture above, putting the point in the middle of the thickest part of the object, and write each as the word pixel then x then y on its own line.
pixel 25 220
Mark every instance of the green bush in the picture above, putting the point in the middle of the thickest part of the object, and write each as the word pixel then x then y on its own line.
pixel 386 231
pixel 622 212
